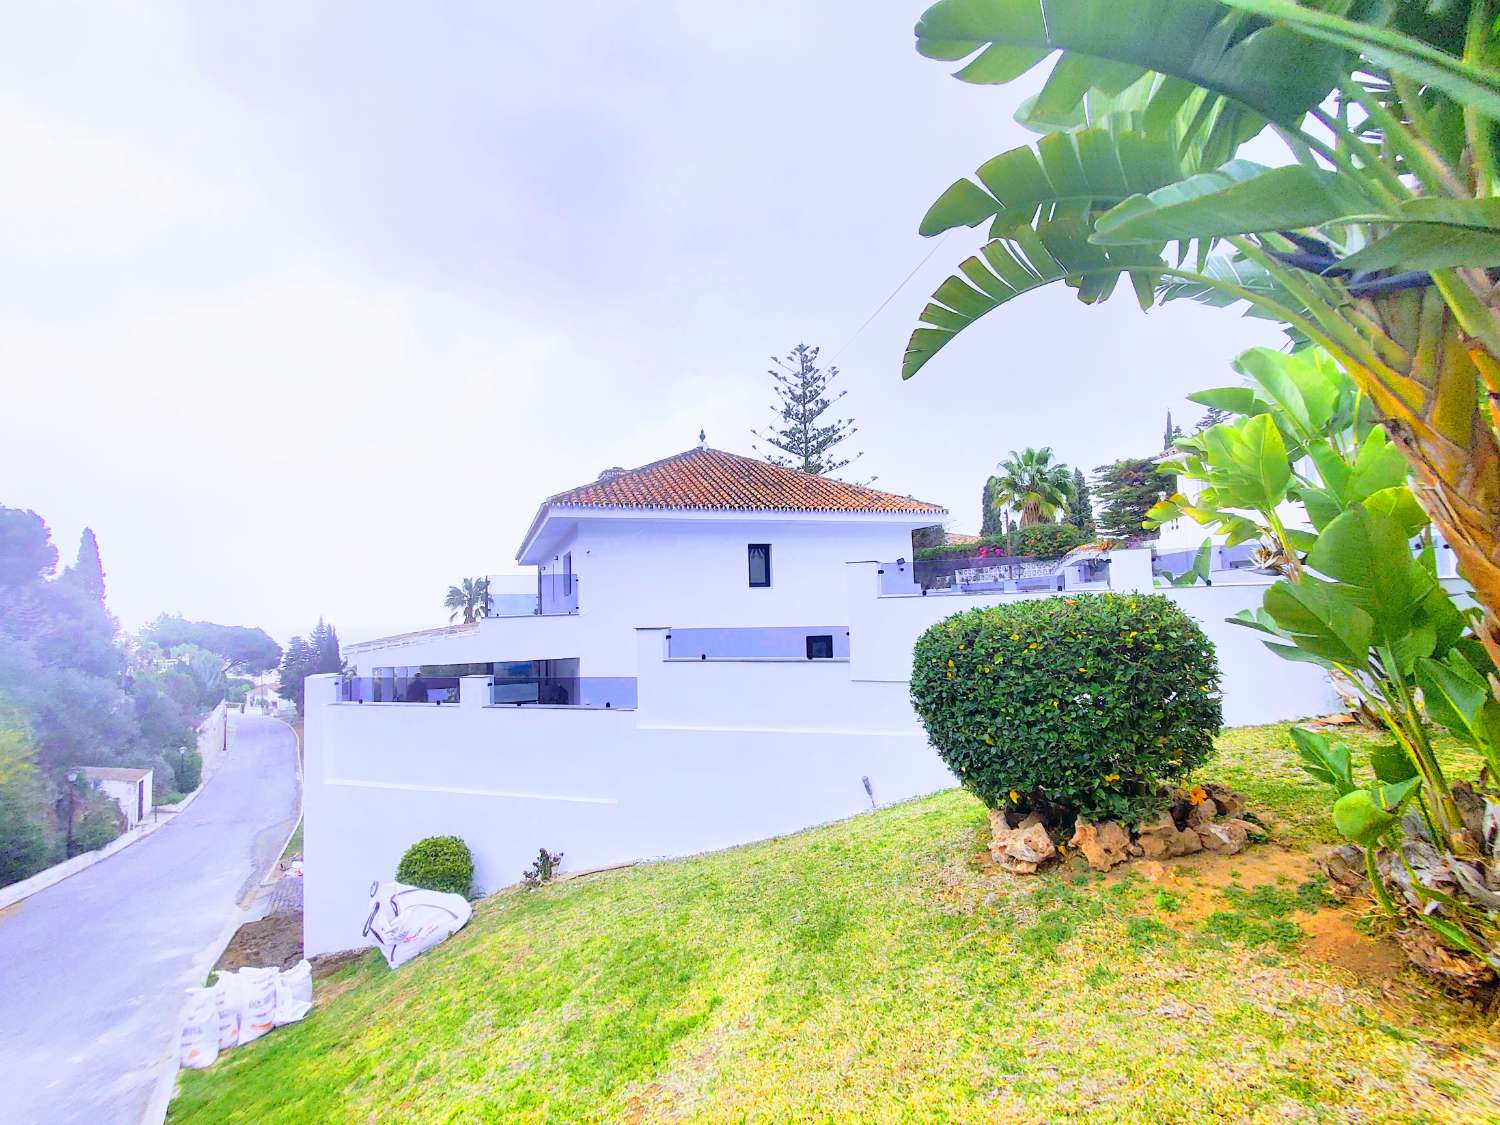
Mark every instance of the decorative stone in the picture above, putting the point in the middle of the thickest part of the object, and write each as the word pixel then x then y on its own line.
pixel 1252 830
pixel 1203 812
pixel 1022 848
pixel 1224 838
pixel 1104 844
pixel 1162 839
pixel 1152 871
pixel 1228 802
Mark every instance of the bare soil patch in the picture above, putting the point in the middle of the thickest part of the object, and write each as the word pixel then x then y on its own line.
pixel 275 940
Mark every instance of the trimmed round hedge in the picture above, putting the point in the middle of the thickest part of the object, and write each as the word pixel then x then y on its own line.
pixel 1070 705
pixel 438 863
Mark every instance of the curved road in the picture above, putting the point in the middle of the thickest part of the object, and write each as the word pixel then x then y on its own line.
pixel 92 970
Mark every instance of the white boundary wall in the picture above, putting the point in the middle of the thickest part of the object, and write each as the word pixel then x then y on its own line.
pixel 601 786
pixel 719 752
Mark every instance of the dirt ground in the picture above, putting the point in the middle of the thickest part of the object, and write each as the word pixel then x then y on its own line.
pixel 273 940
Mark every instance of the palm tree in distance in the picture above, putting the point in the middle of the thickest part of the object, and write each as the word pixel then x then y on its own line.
pixel 1031 483
pixel 470 598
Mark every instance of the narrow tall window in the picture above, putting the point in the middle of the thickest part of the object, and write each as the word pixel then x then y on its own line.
pixel 760 564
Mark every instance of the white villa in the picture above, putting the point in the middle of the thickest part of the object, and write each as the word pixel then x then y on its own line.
pixel 715 650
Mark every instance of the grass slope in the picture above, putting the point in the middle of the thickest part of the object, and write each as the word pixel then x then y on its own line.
pixel 877 970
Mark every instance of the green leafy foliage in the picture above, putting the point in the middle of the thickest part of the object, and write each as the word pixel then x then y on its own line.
pixel 187 770
pixel 438 863
pixel 1126 491
pixel 1071 705
pixel 1039 540
pixel 94 829
pixel 244 649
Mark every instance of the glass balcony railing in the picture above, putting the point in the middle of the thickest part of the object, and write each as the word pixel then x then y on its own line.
pixel 608 692
pixel 557 593
pixel 399 689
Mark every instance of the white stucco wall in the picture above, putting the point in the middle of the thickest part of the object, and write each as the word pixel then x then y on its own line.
pixel 130 796
pixel 703 769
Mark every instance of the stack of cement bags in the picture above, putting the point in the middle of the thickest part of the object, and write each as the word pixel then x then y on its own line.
pixel 240 1007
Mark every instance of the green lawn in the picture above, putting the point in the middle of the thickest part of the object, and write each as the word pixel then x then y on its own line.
pixel 877 970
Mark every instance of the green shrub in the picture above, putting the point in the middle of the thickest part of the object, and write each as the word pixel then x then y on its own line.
pixel 24 849
pixel 1083 705
pixel 94 829
pixel 1040 540
pixel 187 770
pixel 1046 540
pixel 438 863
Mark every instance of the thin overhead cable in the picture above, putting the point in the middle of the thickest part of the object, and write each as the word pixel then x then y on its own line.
pixel 868 320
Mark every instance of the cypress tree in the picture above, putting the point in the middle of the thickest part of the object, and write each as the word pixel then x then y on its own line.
pixel 87 573
pixel 1081 504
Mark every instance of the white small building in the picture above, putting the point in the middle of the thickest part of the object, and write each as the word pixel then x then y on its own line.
pixel 128 788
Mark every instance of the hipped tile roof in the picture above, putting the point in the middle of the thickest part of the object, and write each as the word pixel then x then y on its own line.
pixel 706 478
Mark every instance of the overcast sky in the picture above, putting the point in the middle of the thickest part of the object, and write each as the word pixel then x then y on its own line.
pixel 303 307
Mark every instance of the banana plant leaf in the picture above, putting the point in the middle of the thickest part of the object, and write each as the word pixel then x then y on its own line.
pixel 1420 246
pixel 1094 168
pixel 1025 260
pixel 1463 704
pixel 1276 73
pixel 1468 83
pixel 1320 619
pixel 1242 197
pixel 1365 815
pixel 1391 763
pixel 1330 763
pixel 1367 554
pixel 1307 387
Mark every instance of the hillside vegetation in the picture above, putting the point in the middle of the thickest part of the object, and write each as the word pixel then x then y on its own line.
pixel 881 969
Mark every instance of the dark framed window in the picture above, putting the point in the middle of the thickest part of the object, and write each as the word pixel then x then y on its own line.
pixel 760 564
pixel 820 646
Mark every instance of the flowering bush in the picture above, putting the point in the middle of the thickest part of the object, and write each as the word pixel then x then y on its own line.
pixel 1086 705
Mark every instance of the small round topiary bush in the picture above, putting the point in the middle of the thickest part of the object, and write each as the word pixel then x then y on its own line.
pixel 1071 705
pixel 438 863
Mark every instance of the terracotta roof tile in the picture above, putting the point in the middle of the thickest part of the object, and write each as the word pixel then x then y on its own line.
pixel 712 479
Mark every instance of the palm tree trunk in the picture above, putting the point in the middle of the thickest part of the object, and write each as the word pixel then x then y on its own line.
pixel 1433 413
pixel 1460 490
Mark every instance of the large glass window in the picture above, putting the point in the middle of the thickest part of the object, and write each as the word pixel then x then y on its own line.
pixel 760 564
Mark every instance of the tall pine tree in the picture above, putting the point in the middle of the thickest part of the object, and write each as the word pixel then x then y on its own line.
pixel 795 436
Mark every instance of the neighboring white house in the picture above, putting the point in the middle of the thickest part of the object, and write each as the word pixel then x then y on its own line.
pixel 716 650
pixel 128 788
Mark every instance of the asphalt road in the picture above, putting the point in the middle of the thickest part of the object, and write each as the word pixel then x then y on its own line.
pixel 92 970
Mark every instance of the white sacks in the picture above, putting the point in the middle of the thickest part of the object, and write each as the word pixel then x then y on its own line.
pixel 240 1007
pixel 293 993
pixel 405 920
pixel 226 992
pixel 198 1046
pixel 257 1002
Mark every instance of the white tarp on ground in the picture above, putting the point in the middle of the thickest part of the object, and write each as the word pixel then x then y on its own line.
pixel 405 920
